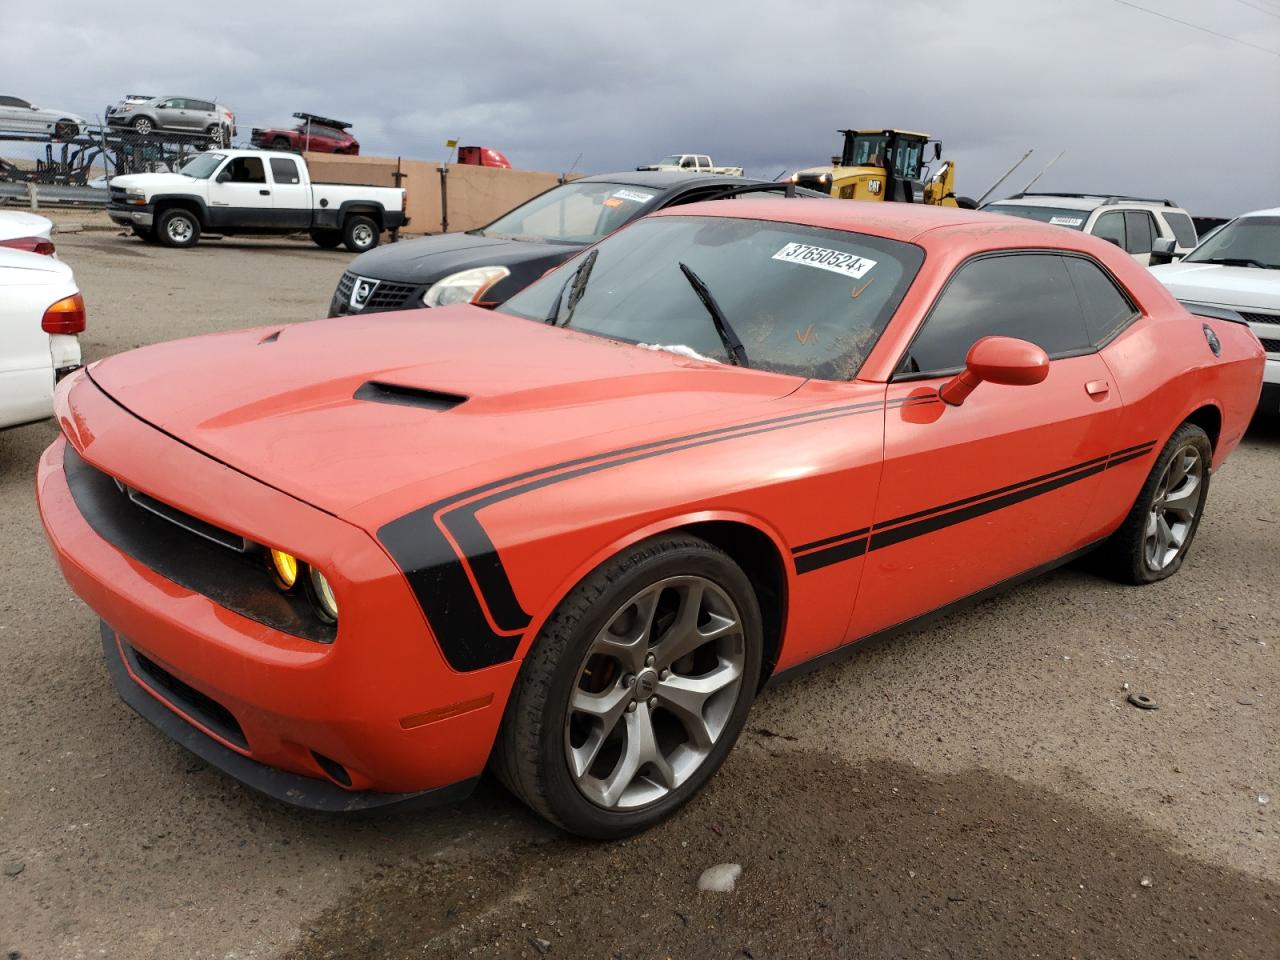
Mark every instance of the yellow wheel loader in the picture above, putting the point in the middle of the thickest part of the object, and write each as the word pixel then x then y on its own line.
pixel 886 165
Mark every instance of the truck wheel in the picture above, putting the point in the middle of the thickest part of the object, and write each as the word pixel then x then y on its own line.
pixel 326 239
pixel 360 234
pixel 143 125
pixel 178 228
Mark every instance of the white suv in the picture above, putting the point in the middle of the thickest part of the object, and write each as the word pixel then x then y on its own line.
pixel 1130 223
pixel 1239 268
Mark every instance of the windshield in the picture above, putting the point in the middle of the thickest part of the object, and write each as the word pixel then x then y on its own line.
pixel 803 300
pixel 580 212
pixel 1058 216
pixel 202 167
pixel 1251 241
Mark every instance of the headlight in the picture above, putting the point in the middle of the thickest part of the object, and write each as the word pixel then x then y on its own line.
pixel 285 566
pixel 326 602
pixel 468 286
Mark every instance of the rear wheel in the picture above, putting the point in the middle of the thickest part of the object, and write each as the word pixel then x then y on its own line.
pixel 280 143
pixel 1156 535
pixel 178 228
pixel 218 135
pixel 635 690
pixel 66 130
pixel 327 239
pixel 359 234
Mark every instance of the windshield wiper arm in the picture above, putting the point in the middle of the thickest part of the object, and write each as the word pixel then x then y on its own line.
pixel 737 352
pixel 1236 262
pixel 576 285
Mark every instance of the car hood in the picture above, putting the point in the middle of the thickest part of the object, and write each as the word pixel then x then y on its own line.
pixel 427 259
pixel 467 396
pixel 1222 285
pixel 151 181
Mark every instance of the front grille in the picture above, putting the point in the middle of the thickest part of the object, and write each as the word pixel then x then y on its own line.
pixel 344 287
pixel 197 705
pixel 117 195
pixel 189 552
pixel 1261 317
pixel 1271 346
pixel 389 296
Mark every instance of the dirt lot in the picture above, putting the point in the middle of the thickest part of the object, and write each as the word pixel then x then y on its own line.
pixel 979 788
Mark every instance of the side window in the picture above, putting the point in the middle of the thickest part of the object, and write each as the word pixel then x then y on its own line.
pixel 284 170
pixel 204 105
pixel 1106 309
pixel 688 163
pixel 247 170
pixel 1138 226
pixel 1028 296
pixel 1183 229
pixel 1110 226
pixel 169 105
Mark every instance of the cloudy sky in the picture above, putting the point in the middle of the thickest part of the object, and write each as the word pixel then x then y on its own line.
pixel 1141 104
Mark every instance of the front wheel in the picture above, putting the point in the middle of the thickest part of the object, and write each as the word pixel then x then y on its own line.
pixel 1156 535
pixel 360 234
pixel 635 690
pixel 143 125
pixel 178 228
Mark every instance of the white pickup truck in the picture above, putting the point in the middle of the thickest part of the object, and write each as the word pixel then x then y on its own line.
pixel 691 163
pixel 233 192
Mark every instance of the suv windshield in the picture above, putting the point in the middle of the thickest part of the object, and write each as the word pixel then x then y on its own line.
pixel 1058 216
pixel 804 301
pixel 1248 242
pixel 580 212
pixel 202 167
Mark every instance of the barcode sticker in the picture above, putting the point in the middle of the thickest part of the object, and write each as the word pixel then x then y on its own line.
pixel 837 261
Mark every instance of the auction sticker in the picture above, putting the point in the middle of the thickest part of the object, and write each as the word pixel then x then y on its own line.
pixel 635 196
pixel 837 261
pixel 1066 221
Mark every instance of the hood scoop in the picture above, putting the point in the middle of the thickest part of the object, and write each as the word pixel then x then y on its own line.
pixel 378 392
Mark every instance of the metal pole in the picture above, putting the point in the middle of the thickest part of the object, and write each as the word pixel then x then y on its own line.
pixel 444 197
pixel 1041 173
pixel 1008 173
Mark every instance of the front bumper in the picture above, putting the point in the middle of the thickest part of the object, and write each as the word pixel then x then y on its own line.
pixel 374 718
pixel 130 216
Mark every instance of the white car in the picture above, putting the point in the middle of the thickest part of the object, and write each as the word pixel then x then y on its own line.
pixel 41 314
pixel 1239 268
pixel 1131 223
pixel 21 116
pixel 26 231
pixel 691 163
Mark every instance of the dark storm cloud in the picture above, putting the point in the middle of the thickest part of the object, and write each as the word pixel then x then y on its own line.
pixel 1141 105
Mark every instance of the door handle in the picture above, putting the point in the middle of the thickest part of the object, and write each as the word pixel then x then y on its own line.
pixel 265 193
pixel 1097 388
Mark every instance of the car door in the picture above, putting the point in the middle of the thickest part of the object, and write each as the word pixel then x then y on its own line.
pixel 290 197
pixel 201 115
pixel 170 113
pixel 976 494
pixel 239 196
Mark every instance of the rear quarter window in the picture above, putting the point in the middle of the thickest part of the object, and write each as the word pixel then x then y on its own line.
pixel 1106 309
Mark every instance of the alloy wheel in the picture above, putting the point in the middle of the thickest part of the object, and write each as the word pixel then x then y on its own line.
pixel 655 692
pixel 179 229
pixel 1174 508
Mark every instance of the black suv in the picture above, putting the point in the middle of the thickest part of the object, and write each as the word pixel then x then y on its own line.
pixel 489 265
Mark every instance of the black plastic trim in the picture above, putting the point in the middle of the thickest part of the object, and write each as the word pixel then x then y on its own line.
pixel 419 397
pixel 309 793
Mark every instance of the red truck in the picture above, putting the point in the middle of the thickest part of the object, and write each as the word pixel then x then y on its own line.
pixel 313 133
pixel 483 157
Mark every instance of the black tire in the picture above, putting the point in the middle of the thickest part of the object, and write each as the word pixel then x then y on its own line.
pixel 143 125
pixel 326 239
pixel 1125 555
pixel 177 227
pixel 217 134
pixel 529 755
pixel 281 143
pixel 360 233
pixel 966 203
pixel 66 130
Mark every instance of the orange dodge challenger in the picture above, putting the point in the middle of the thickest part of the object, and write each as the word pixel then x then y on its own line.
pixel 353 562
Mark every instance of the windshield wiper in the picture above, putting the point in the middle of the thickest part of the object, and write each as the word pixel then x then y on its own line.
pixel 576 285
pixel 1237 262
pixel 737 352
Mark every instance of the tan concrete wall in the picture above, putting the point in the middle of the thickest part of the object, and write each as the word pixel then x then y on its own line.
pixel 476 195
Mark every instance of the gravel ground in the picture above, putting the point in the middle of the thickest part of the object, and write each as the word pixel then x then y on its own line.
pixel 979 788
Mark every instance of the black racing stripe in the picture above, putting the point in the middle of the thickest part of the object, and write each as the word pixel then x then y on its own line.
pixel 464 618
pixel 990 493
pixel 826 540
pixel 923 522
pixel 824 558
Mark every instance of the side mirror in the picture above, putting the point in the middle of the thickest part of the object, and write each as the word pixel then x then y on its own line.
pixel 937 151
pixel 224 177
pixel 1163 250
pixel 997 360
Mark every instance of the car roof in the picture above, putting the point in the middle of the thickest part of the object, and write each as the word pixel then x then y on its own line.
pixel 664 179
pixel 894 221
pixel 1086 201
pixel 1269 212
